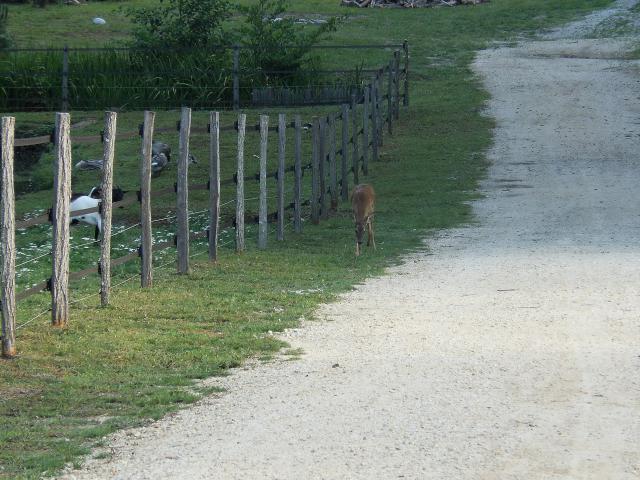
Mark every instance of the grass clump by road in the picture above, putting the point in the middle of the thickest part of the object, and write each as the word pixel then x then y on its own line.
pixel 141 357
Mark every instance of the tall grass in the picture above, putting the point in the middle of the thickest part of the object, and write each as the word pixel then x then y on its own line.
pixel 131 79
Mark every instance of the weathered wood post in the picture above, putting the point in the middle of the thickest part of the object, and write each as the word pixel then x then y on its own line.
pixel 65 79
pixel 146 248
pixel 214 184
pixel 315 172
pixel 365 131
pixel 344 170
pixel 8 239
pixel 405 47
pixel 297 193
pixel 322 154
pixel 106 207
pixel 282 145
pixel 182 191
pixel 396 82
pixel 355 158
pixel 380 108
pixel 262 209
pixel 236 77
pixel 62 197
pixel 374 120
pixel 390 98
pixel 242 124
pixel 333 170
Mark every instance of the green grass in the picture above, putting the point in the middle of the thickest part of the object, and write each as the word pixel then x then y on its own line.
pixel 143 356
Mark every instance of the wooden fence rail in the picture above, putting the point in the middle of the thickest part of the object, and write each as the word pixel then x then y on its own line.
pixel 357 145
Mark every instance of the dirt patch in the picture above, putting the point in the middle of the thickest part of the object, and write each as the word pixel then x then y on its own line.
pixel 11 393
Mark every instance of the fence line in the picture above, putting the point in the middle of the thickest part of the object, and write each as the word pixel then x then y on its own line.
pixel 72 87
pixel 361 130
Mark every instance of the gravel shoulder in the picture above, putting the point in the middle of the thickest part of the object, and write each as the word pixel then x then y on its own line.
pixel 510 351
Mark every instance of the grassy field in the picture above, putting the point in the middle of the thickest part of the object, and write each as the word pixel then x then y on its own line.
pixel 141 357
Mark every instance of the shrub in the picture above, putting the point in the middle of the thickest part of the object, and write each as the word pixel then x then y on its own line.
pixel 181 24
pixel 5 40
pixel 276 42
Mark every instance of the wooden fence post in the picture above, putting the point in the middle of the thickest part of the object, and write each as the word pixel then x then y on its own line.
pixel 322 155
pixel 65 79
pixel 405 47
pixel 214 184
pixel 282 145
pixel 236 77
pixel 374 120
pixel 315 172
pixel 355 158
pixel 146 273
pixel 333 170
pixel 106 207
pixel 182 191
pixel 8 239
pixel 390 98
pixel 345 153
pixel 297 194
pixel 396 81
pixel 379 107
pixel 262 212
pixel 242 123
pixel 365 131
pixel 62 189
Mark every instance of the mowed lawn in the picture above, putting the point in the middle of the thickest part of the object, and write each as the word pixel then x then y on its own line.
pixel 142 357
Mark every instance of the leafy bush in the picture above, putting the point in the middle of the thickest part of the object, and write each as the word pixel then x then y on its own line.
pixel 181 24
pixel 276 42
pixel 5 41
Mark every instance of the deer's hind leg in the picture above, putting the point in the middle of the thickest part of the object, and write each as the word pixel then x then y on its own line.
pixel 371 241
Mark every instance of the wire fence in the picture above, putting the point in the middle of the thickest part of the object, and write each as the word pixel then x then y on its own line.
pixel 222 77
pixel 334 166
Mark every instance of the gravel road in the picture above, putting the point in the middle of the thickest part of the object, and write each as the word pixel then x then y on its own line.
pixel 510 351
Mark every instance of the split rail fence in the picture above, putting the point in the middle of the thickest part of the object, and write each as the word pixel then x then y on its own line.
pixel 333 168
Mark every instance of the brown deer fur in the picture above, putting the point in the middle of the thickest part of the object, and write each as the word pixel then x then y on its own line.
pixel 363 203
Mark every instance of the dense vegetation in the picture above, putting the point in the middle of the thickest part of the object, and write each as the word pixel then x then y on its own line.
pixel 180 55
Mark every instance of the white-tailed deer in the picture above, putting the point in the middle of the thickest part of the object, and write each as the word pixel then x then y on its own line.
pixel 363 203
